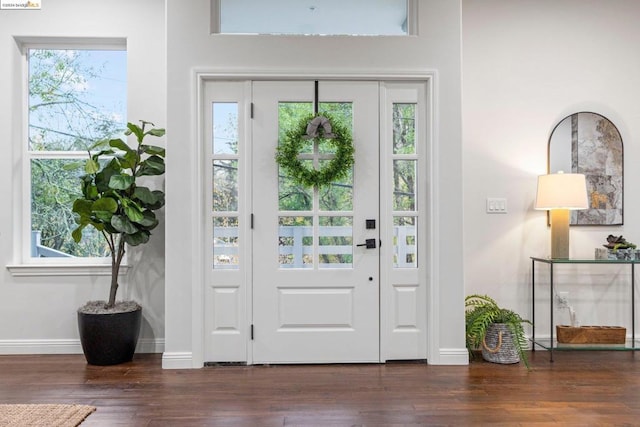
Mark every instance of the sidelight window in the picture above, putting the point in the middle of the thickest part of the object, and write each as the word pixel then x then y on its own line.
pixel 405 162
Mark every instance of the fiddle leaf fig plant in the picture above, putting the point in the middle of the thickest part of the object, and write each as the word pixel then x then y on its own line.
pixel 113 201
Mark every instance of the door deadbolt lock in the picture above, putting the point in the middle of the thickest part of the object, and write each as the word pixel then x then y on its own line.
pixel 369 244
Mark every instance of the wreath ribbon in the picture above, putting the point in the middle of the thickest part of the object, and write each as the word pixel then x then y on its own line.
pixel 314 125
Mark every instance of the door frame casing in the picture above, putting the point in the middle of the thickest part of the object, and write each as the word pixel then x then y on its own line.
pixel 430 275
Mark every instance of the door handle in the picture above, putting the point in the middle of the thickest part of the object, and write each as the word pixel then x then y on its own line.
pixel 369 244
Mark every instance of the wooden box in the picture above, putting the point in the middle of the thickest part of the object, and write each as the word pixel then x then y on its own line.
pixel 591 334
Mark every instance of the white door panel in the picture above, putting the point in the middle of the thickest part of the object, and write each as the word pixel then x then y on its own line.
pixel 315 312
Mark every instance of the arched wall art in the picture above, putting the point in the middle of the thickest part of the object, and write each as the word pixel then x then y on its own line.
pixel 590 144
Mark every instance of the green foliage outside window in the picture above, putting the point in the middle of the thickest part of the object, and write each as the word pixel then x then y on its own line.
pixel 76 97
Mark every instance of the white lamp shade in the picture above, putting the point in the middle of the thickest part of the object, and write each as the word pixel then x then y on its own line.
pixel 562 191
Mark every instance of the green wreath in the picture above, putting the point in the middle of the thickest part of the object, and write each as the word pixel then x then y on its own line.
pixel 292 142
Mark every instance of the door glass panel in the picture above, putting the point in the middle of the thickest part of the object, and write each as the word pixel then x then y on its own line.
pixel 295 241
pixel 334 245
pixel 225 185
pixel 225 128
pixel 292 196
pixel 225 242
pixel 338 196
pixel 404 128
pixel 225 162
pixel 289 114
pixel 335 242
pixel 404 242
pixel 339 111
pixel 404 185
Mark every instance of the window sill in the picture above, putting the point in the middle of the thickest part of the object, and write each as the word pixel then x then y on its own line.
pixel 37 270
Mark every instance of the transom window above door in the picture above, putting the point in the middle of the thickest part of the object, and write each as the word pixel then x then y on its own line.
pixel 315 17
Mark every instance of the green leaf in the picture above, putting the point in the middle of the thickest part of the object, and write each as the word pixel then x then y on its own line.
pixel 152 149
pixel 145 195
pixel 77 233
pixel 138 238
pixel 120 145
pixel 91 166
pixel 82 207
pixel 121 182
pixel 99 143
pixel 105 204
pixel 103 217
pixel 123 225
pixel 129 160
pixel 160 203
pixel 156 132
pixel 133 213
pixel 89 190
pixel 136 130
pixel 152 166
pixel 148 220
pixel 104 176
pixel 72 166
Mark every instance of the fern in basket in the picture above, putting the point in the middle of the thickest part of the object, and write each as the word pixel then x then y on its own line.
pixel 480 312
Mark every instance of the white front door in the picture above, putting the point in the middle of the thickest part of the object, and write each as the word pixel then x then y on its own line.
pixel 315 283
pixel 285 279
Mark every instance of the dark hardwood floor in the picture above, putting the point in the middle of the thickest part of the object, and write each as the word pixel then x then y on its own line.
pixel 579 388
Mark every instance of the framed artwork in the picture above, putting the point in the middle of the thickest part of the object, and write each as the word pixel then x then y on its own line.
pixel 590 144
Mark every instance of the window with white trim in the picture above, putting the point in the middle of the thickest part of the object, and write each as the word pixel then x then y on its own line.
pixel 76 96
pixel 316 17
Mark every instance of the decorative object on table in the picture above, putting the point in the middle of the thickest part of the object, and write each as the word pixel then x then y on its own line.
pixel 496 331
pixel 601 253
pixel 619 248
pixel 115 204
pixel 559 193
pixel 591 334
pixel 590 143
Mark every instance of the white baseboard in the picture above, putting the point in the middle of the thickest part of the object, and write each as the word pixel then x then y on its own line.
pixel 150 345
pixel 60 346
pixel 68 346
pixel 453 356
pixel 177 360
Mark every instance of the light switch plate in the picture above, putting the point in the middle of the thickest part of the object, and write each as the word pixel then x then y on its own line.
pixel 496 205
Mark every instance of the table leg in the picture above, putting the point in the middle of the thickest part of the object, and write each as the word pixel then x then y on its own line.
pixel 551 312
pixel 533 305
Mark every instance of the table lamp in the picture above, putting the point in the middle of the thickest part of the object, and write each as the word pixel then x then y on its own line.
pixel 559 193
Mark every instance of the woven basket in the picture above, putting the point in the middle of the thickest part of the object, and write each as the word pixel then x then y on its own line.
pixel 498 346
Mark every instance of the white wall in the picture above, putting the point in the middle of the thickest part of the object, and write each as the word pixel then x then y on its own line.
pixel 38 314
pixel 526 65
pixel 190 47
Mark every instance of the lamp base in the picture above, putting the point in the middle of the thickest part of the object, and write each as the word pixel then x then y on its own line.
pixel 559 233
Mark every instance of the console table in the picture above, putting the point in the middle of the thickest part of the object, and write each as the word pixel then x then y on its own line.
pixel 552 262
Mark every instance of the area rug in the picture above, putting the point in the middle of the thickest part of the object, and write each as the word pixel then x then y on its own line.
pixel 43 415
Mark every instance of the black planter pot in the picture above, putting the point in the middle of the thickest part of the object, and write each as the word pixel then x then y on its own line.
pixel 109 339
